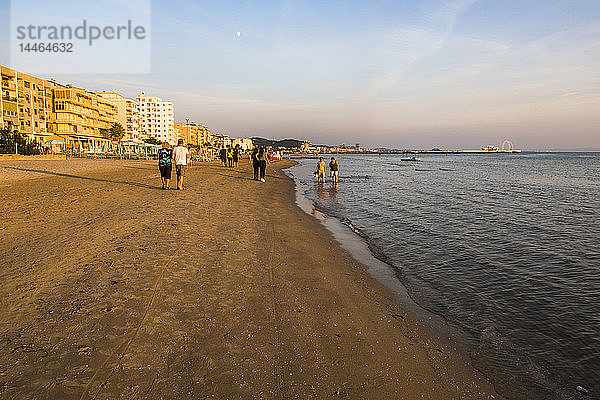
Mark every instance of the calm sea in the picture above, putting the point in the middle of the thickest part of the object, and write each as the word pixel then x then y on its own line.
pixel 505 246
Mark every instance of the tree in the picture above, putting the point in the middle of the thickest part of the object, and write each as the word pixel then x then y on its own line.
pixel 116 132
pixel 152 140
pixel 15 140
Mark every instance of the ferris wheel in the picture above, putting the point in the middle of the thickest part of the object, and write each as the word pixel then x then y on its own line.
pixel 507 145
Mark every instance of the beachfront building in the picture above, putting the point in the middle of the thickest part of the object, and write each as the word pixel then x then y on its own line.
pixel 157 118
pixel 192 133
pixel 83 119
pixel 244 143
pixel 221 141
pixel 128 115
pixel 26 104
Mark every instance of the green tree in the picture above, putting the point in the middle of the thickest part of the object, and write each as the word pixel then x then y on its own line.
pixel 152 140
pixel 15 140
pixel 116 132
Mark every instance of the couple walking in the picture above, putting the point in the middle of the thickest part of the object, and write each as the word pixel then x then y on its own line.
pixel 180 155
pixel 259 159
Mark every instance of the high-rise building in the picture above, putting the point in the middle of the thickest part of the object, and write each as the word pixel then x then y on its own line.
pixel 157 118
pixel 26 104
pixel 128 114
pixel 192 133
pixel 83 118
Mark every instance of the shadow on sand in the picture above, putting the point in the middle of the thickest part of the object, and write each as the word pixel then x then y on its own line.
pixel 39 171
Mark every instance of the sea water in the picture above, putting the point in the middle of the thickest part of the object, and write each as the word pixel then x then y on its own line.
pixel 504 246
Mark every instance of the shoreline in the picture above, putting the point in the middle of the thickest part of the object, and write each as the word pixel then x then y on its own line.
pixel 381 271
pixel 241 295
pixel 510 368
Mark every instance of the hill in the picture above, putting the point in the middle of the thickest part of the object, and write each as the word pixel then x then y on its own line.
pixel 287 143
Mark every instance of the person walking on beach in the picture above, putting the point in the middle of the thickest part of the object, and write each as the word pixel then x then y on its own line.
pixel 255 162
pixel 164 164
pixel 320 171
pixel 223 156
pixel 229 157
pixel 181 156
pixel 236 155
pixel 262 162
pixel 334 168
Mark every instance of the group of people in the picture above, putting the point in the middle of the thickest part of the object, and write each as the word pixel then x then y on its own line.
pixel 259 158
pixel 180 155
pixel 230 156
pixel 334 168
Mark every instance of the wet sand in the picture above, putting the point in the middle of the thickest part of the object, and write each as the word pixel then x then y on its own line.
pixel 113 288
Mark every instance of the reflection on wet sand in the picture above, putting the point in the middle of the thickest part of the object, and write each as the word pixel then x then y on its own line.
pixel 325 191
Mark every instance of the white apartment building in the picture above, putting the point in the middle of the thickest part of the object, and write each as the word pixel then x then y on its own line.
pixel 244 143
pixel 221 141
pixel 157 118
pixel 128 115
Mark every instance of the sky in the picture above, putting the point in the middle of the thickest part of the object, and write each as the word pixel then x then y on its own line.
pixel 457 74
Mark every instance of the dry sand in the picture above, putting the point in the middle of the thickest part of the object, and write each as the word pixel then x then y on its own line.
pixel 113 288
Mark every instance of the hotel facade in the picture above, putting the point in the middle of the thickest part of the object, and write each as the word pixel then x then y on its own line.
pixel 193 133
pixel 83 119
pixel 77 120
pixel 128 115
pixel 26 104
pixel 157 118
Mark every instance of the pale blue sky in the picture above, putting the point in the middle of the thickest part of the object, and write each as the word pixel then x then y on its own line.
pixel 458 74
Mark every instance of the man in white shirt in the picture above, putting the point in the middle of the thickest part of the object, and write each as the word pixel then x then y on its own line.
pixel 181 156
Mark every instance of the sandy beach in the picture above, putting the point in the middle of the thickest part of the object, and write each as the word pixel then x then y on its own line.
pixel 113 288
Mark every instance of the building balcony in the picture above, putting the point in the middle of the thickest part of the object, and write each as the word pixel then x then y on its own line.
pixel 9 98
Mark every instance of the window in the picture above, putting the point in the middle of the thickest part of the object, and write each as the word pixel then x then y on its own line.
pixel 26 84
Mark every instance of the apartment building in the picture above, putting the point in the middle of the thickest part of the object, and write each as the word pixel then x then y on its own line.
pixel 157 118
pixel 128 114
pixel 83 118
pixel 192 133
pixel 221 141
pixel 26 104
pixel 243 143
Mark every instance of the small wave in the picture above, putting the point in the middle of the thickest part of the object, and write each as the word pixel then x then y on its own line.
pixel 375 250
pixel 356 177
pixel 512 371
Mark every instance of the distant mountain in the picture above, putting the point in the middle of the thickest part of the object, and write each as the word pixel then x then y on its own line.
pixel 287 143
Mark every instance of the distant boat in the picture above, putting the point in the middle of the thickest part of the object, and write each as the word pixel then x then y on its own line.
pixel 413 158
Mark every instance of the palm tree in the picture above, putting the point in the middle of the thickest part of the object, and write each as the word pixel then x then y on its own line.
pixel 116 132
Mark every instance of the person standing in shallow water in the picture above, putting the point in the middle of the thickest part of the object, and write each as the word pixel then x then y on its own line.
pixel 164 164
pixel 334 168
pixel 320 171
